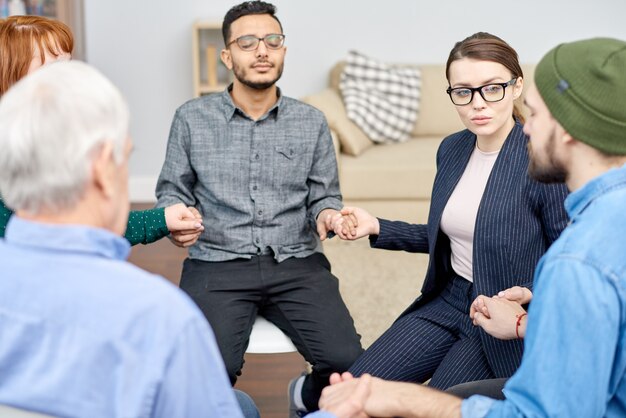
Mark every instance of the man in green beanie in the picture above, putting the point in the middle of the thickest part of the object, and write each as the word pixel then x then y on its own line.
pixel 574 363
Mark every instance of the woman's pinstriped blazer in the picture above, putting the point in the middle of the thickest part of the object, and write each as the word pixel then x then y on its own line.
pixel 518 218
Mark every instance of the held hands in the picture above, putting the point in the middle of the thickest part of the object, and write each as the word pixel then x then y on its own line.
pixel 369 396
pixel 517 294
pixel 184 223
pixel 325 219
pixel 346 400
pixel 363 223
pixel 499 317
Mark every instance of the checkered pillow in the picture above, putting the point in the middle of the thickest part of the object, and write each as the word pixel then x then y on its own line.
pixel 381 99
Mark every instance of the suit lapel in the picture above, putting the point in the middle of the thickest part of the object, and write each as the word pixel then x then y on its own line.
pixel 504 167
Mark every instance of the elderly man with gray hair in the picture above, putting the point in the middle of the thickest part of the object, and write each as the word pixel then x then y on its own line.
pixel 84 333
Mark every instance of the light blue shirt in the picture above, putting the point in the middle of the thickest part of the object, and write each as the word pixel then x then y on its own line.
pixel 85 334
pixel 574 363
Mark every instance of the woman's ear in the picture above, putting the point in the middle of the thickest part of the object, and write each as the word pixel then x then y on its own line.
pixel 518 87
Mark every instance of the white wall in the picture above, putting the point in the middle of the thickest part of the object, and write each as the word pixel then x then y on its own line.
pixel 144 46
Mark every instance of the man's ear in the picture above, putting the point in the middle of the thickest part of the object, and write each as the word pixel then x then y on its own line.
pixel 103 170
pixel 561 134
pixel 566 138
pixel 226 58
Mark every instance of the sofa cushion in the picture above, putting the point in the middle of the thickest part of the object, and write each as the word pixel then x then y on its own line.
pixel 383 100
pixel 397 171
pixel 437 115
pixel 352 139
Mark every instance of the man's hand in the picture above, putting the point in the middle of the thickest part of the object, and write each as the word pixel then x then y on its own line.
pixel 324 223
pixel 347 400
pixel 390 399
pixel 498 317
pixel 364 223
pixel 184 223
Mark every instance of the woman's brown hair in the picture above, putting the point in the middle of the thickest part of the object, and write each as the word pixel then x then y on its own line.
pixel 18 37
pixel 484 46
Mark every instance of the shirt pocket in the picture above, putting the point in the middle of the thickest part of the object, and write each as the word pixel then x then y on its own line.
pixel 290 152
pixel 290 168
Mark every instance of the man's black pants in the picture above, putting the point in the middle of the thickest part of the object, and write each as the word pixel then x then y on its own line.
pixel 299 295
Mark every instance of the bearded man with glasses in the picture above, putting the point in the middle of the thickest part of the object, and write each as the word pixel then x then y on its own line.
pixel 261 169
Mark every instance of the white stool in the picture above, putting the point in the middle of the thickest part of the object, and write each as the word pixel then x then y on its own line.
pixel 267 338
pixel 12 412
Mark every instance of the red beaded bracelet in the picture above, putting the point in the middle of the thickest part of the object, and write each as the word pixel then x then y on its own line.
pixel 519 321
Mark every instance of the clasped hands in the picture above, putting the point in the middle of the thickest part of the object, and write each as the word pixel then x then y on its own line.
pixel 363 397
pixel 349 223
pixel 498 315
pixel 184 224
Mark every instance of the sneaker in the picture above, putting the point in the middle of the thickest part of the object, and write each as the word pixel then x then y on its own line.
pixel 294 411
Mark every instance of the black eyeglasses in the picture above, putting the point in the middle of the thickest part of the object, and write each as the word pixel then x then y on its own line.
pixel 251 42
pixel 493 92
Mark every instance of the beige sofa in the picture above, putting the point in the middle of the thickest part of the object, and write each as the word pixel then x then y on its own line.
pixel 392 181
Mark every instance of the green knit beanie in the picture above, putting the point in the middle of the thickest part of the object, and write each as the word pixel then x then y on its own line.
pixel 583 84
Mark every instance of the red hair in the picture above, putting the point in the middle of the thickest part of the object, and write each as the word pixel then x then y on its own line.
pixel 18 37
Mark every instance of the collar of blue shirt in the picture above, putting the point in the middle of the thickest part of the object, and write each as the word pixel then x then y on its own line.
pixel 81 239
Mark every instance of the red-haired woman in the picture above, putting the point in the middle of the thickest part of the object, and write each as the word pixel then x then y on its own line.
pixel 29 42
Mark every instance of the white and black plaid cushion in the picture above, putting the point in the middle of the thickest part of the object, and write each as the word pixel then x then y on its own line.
pixel 381 99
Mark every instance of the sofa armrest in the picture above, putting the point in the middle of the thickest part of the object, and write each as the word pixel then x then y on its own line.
pixel 352 139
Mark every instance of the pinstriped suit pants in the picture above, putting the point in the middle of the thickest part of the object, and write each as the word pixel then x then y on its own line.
pixel 437 341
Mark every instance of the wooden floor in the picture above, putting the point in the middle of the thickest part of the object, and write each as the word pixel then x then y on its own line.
pixel 265 376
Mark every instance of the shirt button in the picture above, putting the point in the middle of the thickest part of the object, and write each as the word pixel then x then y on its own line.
pixel 260 212
pixel 256 157
pixel 257 240
pixel 254 187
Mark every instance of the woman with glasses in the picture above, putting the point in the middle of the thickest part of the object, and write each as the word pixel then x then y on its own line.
pixel 29 42
pixel 489 224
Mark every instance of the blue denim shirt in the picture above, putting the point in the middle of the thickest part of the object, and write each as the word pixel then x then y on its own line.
pixel 85 334
pixel 258 183
pixel 574 364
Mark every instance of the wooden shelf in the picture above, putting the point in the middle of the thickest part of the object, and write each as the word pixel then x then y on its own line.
pixel 209 74
pixel 206 89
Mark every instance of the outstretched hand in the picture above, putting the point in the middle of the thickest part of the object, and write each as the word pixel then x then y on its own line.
pixel 325 223
pixel 184 224
pixel 364 224
pixel 384 398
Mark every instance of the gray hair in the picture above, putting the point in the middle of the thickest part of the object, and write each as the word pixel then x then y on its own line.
pixel 52 123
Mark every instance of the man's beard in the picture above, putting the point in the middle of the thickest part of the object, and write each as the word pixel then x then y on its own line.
pixel 240 75
pixel 552 171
